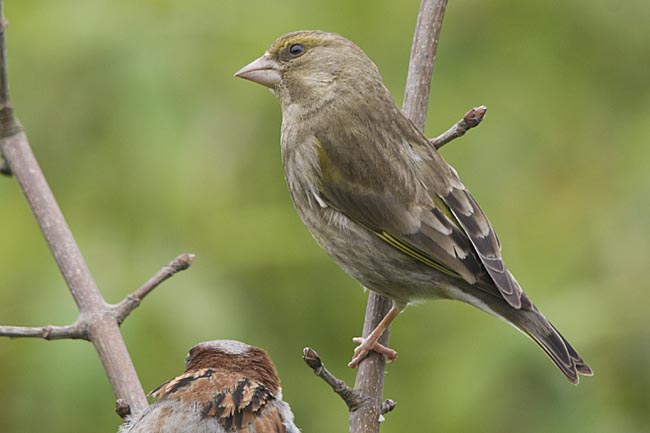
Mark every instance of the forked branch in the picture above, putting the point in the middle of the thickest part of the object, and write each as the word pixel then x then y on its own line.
pixel 98 321
pixel 352 398
pixel 79 330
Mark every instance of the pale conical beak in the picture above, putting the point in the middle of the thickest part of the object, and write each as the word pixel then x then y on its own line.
pixel 264 71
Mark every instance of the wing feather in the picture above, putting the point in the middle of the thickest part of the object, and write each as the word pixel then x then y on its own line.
pixel 419 206
pixel 482 236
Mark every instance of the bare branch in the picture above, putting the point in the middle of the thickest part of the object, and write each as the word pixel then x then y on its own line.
pixel 79 330
pixel 85 327
pixel 470 120
pixel 7 122
pixel 49 332
pixel 103 330
pixel 4 83
pixel 98 321
pixel 352 398
pixel 423 58
pixel 370 375
pixel 132 301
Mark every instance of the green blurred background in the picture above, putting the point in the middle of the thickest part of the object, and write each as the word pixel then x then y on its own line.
pixel 153 148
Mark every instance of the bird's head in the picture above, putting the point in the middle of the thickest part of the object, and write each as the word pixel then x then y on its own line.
pixel 304 66
pixel 235 356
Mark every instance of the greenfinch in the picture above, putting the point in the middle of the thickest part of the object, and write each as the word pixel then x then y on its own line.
pixel 379 198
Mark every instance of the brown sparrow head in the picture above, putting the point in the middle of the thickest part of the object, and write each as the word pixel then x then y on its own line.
pixel 227 386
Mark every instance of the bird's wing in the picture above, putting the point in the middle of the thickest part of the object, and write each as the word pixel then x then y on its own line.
pixel 471 218
pixel 238 403
pixel 418 205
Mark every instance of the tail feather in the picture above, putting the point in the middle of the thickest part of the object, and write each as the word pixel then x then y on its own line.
pixel 581 365
pixel 542 332
pixel 531 322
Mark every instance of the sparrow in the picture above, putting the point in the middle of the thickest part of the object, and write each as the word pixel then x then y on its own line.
pixel 380 199
pixel 227 386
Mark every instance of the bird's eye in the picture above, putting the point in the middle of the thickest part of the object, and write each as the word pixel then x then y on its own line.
pixel 296 49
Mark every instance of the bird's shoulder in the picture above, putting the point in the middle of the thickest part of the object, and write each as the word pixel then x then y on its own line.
pixel 379 168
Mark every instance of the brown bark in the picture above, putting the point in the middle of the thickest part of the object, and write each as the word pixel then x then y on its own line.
pixel 98 322
pixel 370 375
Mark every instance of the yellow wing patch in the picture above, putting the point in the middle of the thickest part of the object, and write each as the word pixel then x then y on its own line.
pixel 442 206
pixel 415 253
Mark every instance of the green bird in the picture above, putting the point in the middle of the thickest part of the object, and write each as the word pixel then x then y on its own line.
pixel 380 199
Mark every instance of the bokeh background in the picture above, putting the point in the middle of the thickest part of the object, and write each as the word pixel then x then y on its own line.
pixel 153 148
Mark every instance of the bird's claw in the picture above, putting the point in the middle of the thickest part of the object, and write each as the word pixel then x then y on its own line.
pixel 365 346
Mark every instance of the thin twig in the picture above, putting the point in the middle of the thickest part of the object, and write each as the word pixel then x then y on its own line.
pixel 370 375
pixel 352 398
pixel 74 332
pixel 79 330
pixel 470 120
pixel 131 302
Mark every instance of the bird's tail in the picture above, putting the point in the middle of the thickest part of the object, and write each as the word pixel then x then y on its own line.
pixel 529 320
pixel 542 332
pixel 533 323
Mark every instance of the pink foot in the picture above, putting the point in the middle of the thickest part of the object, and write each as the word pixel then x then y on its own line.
pixel 365 345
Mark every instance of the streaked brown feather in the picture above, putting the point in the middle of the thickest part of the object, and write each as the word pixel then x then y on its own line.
pixel 235 400
pixel 271 422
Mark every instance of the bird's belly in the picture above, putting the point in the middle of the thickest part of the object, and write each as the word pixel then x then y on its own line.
pixel 376 264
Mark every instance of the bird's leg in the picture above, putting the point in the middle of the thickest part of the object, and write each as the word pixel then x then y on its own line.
pixel 371 341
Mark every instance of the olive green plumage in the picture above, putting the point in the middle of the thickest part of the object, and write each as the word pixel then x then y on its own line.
pixel 378 197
